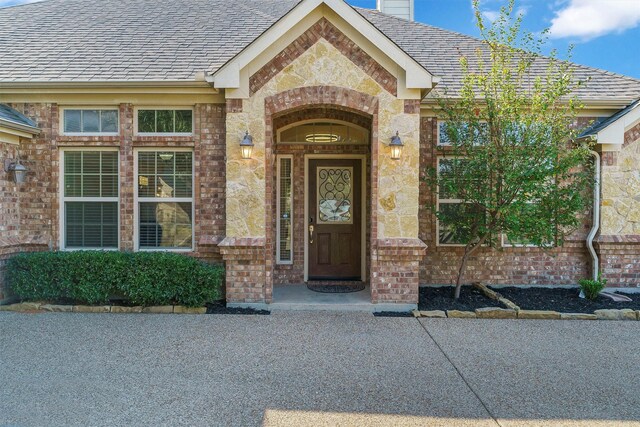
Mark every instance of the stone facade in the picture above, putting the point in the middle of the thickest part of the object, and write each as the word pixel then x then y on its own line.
pixel 618 244
pixel 302 77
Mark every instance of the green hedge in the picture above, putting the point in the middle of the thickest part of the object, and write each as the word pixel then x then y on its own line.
pixel 93 277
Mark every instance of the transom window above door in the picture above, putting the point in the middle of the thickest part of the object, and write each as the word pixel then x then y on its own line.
pixel 325 132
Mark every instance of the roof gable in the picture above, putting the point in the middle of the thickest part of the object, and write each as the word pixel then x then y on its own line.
pixel 611 130
pixel 234 75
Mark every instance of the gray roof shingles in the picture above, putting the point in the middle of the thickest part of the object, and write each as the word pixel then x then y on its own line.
pixel 133 40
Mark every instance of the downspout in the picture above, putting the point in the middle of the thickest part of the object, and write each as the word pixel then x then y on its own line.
pixel 596 216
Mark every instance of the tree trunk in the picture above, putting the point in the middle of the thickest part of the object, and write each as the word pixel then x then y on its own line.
pixel 461 270
pixel 468 251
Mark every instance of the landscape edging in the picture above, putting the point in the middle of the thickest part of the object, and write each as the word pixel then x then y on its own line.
pixel 33 307
pixel 514 312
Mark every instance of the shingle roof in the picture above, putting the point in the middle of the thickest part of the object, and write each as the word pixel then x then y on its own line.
pixel 147 40
pixel 10 116
pixel 605 123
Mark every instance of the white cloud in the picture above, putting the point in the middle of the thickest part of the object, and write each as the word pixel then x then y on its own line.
pixel 491 15
pixel 587 19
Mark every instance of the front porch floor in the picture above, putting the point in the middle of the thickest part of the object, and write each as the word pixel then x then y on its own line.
pixel 299 297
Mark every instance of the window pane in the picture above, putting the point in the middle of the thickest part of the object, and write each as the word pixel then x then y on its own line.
pixel 165 225
pixel 442 134
pixel 73 186
pixel 447 171
pixel 285 210
pixel 110 162
pixel 146 162
pixel 165 187
pixel 91 224
pixel 146 186
pixel 90 121
pixel 458 214
pixel 183 186
pixel 165 163
pixel 72 121
pixel 165 121
pixel 91 186
pixel 109 186
pixel 184 121
pixel 72 162
pixel 146 121
pixel 109 121
pixel 183 163
pixel 91 162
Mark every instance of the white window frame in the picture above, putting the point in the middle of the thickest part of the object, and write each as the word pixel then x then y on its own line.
pixel 64 109
pixel 446 201
pixel 278 213
pixel 63 199
pixel 330 121
pixel 137 200
pixel 137 109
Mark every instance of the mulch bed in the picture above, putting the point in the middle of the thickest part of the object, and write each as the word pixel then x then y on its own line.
pixel 220 307
pixel 563 300
pixel 393 314
pixel 441 298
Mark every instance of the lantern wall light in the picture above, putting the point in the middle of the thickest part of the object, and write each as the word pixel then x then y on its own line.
pixel 18 169
pixel 246 146
pixel 396 146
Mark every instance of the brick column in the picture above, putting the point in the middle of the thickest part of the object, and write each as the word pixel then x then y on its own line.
pixel 396 271
pixel 619 259
pixel 245 271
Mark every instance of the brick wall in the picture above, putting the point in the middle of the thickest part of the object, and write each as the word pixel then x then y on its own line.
pixel 29 214
pixel 513 266
pixel 25 210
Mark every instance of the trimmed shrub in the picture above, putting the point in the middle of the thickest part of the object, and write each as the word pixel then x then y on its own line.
pixel 93 277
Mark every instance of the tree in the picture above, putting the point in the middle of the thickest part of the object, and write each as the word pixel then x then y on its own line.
pixel 510 162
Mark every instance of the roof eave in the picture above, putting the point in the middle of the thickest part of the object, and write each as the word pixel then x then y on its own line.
pixel 10 124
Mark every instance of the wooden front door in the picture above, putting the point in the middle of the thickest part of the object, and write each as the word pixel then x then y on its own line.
pixel 335 215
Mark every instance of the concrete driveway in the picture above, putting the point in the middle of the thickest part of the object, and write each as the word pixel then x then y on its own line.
pixel 315 369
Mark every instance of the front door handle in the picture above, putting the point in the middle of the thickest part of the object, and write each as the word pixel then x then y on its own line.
pixel 311 228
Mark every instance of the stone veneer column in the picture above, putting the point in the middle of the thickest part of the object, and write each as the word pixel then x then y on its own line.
pixel 618 244
pixel 397 250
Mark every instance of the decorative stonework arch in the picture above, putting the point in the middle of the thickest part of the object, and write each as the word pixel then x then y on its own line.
pixel 323 29
pixel 312 97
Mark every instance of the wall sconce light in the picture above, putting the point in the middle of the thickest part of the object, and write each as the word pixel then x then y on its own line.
pixel 246 146
pixel 19 170
pixel 396 145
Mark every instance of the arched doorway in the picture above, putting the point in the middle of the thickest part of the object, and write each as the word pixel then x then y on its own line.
pixel 321 222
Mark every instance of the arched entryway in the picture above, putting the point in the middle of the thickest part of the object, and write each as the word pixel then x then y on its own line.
pixel 321 227
pixel 315 137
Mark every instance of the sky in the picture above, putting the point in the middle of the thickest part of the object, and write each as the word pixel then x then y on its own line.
pixel 604 33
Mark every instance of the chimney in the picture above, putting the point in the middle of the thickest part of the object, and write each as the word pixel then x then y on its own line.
pixel 400 8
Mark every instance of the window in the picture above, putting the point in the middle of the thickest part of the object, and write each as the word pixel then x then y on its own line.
pixel 477 135
pixel 90 121
pixel 285 210
pixel 451 204
pixel 324 132
pixel 165 199
pixel 90 199
pixel 165 122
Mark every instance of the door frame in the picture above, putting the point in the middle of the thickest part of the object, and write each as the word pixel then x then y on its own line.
pixel 363 209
